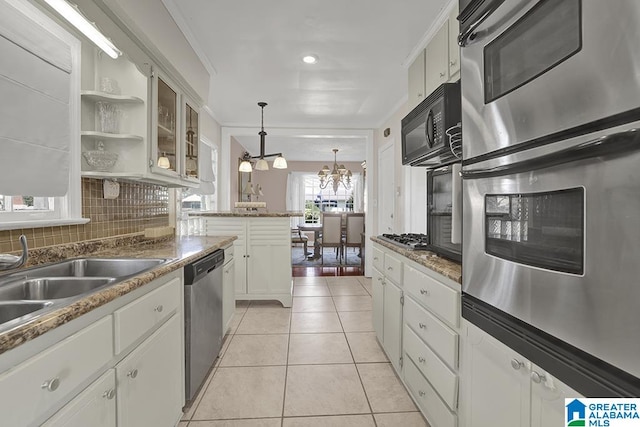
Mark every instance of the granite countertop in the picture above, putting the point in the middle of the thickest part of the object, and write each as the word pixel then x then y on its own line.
pixel 178 250
pixel 430 260
pixel 242 212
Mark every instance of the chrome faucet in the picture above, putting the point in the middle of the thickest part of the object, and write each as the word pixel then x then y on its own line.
pixel 7 262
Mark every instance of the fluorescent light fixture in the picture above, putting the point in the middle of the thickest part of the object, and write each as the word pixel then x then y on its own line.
pixel 310 59
pixel 77 19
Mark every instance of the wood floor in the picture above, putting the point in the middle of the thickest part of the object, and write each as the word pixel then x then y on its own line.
pixel 327 271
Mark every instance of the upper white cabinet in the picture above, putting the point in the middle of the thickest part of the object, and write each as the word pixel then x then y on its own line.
pixel 416 81
pixel 454 48
pixel 436 69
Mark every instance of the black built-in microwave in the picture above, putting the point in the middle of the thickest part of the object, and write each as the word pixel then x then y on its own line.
pixel 424 138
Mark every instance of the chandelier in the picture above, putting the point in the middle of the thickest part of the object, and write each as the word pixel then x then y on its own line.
pixel 336 176
pixel 261 165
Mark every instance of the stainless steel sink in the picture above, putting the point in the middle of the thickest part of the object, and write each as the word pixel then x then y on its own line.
pixel 96 267
pixel 14 310
pixel 52 287
pixel 30 293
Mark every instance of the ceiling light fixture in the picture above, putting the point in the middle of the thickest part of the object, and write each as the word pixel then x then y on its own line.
pixel 310 59
pixel 72 14
pixel 261 165
pixel 336 176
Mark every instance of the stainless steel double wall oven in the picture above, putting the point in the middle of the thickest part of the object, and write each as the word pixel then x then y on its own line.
pixel 551 184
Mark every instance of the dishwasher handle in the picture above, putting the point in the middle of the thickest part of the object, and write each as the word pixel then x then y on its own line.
pixel 203 266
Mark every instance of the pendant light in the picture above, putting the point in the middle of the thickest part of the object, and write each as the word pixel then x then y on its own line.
pixel 261 164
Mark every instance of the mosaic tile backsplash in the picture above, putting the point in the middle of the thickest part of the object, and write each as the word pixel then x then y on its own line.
pixel 138 206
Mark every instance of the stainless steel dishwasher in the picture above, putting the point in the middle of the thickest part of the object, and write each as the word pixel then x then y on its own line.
pixel 203 318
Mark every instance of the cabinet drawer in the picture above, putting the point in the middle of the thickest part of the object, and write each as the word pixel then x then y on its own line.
pixel 436 334
pixel 378 259
pixel 134 320
pixel 437 297
pixel 95 406
pixel 393 268
pixel 431 405
pixel 229 253
pixel 65 366
pixel 441 378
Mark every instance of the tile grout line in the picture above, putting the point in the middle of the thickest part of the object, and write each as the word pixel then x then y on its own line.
pixel 286 369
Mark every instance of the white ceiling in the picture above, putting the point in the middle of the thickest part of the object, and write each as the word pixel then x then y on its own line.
pixel 254 50
pixel 298 148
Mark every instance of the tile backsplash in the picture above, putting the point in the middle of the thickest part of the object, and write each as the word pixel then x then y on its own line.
pixel 138 206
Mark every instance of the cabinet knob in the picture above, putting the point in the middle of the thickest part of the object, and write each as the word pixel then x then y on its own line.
pixel 424 292
pixel 453 62
pixel 389 268
pixel 419 95
pixel 516 364
pixel 442 74
pixel 132 373
pixel 537 378
pixel 379 279
pixel 51 385
pixel 109 394
pixel 422 326
pixel 158 308
pixel 421 359
pixel 421 393
pixel 375 258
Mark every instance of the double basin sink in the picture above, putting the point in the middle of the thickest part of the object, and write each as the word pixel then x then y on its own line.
pixel 29 293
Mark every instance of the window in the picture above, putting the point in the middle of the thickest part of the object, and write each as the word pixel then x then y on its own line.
pixel 317 200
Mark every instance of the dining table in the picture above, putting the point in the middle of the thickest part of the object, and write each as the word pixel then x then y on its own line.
pixel 317 229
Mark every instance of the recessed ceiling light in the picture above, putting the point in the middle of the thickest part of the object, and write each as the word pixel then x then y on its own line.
pixel 310 59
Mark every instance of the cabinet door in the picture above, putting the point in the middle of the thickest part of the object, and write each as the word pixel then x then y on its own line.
pixel 152 369
pixel 416 81
pixel 164 146
pixel 437 60
pixel 454 48
pixel 377 284
pixel 547 399
pixel 392 320
pixel 269 251
pixel 95 406
pixel 224 226
pixel 189 149
pixel 228 293
pixel 492 374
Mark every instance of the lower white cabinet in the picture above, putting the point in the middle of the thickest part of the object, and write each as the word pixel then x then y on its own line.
pixel 150 385
pixel 492 373
pixel 228 288
pixel 95 406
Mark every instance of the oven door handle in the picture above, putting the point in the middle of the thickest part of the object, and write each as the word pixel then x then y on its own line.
pixel 606 146
pixel 469 31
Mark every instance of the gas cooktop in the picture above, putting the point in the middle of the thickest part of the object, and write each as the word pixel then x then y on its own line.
pixel 413 241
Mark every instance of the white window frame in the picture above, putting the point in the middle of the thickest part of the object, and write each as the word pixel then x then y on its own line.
pixel 68 209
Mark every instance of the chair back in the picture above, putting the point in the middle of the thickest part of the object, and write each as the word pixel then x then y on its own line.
pixel 355 227
pixel 331 229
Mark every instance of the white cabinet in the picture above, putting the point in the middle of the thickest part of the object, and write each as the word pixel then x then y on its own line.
pixel 436 69
pixel 416 81
pixel 387 304
pixel 492 372
pixel 152 369
pixel 95 406
pixel 228 287
pixel 262 255
pixel 454 48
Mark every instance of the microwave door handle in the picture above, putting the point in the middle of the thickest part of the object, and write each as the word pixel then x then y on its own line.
pixel 606 146
pixel 428 131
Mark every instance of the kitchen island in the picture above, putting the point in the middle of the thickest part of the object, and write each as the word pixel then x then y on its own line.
pixel 262 251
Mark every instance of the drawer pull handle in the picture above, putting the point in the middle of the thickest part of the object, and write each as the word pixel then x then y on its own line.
pixel 132 373
pixel 537 378
pixel 51 385
pixel 424 292
pixel 422 326
pixel 421 359
pixel 159 308
pixel 379 279
pixel 375 258
pixel 442 74
pixel 516 364
pixel 109 394
pixel 421 393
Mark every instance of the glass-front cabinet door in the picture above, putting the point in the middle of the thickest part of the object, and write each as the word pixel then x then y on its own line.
pixel 166 155
pixel 191 137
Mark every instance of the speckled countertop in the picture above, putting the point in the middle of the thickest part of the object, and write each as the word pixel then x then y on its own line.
pixel 249 213
pixel 447 268
pixel 179 250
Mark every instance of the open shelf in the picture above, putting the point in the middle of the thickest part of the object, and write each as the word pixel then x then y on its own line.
pixel 95 95
pixel 111 175
pixel 89 134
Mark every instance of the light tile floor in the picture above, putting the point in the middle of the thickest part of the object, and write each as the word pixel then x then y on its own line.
pixel 317 364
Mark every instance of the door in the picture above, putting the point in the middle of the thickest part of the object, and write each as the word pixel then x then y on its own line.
pixel 386 188
pixel 95 406
pixel 377 283
pixel 494 382
pixel 547 399
pixel 392 322
pixel 152 369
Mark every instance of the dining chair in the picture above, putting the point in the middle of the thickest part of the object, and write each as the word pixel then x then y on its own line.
pixel 355 227
pixel 331 234
pixel 298 237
